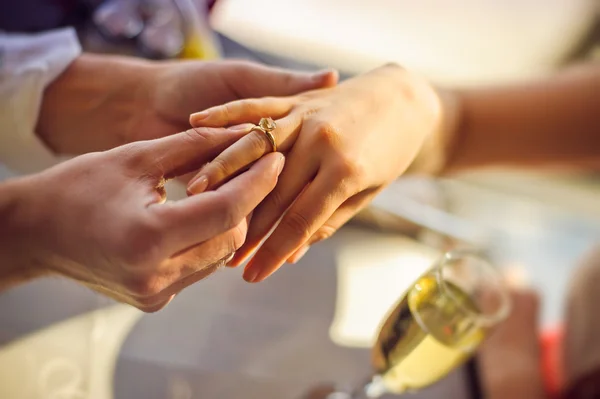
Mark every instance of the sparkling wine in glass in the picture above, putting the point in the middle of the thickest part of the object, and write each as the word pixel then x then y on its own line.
pixel 436 326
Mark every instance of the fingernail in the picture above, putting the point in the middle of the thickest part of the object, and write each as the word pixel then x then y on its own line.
pixel 251 272
pixel 281 165
pixel 298 254
pixel 241 128
pixel 198 116
pixel 198 186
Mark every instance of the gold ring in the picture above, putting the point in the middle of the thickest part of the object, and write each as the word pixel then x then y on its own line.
pixel 266 126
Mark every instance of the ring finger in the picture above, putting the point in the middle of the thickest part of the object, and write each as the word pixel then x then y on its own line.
pixel 244 152
pixel 300 170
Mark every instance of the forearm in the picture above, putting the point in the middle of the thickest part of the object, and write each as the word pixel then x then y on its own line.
pixel 552 122
pixel 95 92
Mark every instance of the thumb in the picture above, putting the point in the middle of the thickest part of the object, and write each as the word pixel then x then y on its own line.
pixel 200 217
pixel 260 81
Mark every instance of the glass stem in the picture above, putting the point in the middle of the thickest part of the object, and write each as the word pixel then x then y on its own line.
pixel 372 389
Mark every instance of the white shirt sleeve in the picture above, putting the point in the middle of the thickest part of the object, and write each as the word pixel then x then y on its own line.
pixel 28 64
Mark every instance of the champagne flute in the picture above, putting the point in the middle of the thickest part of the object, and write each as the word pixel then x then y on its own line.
pixel 436 326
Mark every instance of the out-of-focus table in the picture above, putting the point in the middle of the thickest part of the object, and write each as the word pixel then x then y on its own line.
pixel 221 338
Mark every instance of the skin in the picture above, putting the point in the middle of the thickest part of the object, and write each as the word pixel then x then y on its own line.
pixel 345 144
pixel 131 99
pixel 548 123
pixel 98 218
pixel 581 352
pixel 514 342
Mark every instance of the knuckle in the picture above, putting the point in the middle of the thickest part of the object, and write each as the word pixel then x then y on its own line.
pixel 349 177
pixel 242 69
pixel 271 99
pixel 219 168
pixel 199 135
pixel 275 200
pixel 237 237
pixel 230 212
pixel 297 224
pixel 142 243
pixel 288 79
pixel 227 112
pixel 327 134
pixel 323 233
pixel 345 168
pixel 251 106
pixel 135 155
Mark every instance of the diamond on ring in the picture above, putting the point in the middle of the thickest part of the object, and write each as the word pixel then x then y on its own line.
pixel 267 123
pixel 266 126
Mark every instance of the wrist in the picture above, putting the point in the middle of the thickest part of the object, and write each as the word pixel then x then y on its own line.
pixel 90 107
pixel 15 262
pixel 437 152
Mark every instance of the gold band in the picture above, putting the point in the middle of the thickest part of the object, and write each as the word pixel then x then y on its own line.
pixel 266 126
pixel 271 140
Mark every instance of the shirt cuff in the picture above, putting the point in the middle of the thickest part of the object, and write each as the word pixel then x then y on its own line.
pixel 28 64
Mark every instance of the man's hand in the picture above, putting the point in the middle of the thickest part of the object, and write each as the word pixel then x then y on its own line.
pixel 101 102
pixel 101 219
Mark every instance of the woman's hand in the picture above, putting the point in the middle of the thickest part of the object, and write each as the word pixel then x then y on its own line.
pixel 344 145
pixel 101 218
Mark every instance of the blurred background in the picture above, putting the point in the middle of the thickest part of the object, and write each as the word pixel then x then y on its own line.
pixel 223 338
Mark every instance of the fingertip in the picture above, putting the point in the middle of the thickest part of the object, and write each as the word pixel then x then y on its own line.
pixel 251 272
pixel 198 117
pixel 326 78
pixel 198 185
pixel 280 163
pixel 261 267
pixel 275 162
pixel 333 77
pixel 265 273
